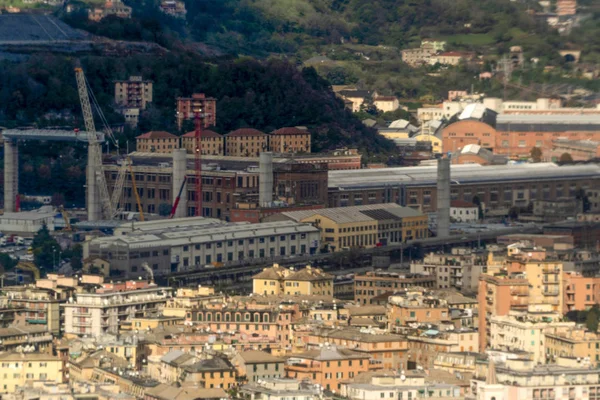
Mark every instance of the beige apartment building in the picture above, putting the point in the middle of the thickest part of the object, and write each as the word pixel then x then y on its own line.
pixel 257 365
pixel 290 140
pixel 133 93
pixel 211 143
pixel 307 281
pixel 18 369
pixel 246 142
pixel 386 103
pixel 573 342
pixel 525 331
pixel 157 142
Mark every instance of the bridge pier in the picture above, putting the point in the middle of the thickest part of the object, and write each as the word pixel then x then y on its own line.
pixel 11 175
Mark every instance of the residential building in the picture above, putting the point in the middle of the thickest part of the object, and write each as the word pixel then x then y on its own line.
pixel 407 385
pixel 418 56
pixel 580 292
pixel 257 365
pixel 41 306
pixel 168 392
pixel 246 142
pixel 459 269
pixel 389 349
pixel 157 142
pixel 464 211
pixel 329 366
pixel 134 92
pixel 18 368
pixel 415 305
pixel 386 103
pixel 524 379
pixel 451 58
pixel 498 295
pixel 290 140
pixel 566 8
pixel 175 8
pixel 111 7
pixel 281 389
pixel 356 97
pixel 306 281
pixel 210 143
pixel 188 298
pixel 106 309
pixel 525 331
pixel 211 372
pixel 166 250
pixel 26 337
pixel 206 107
pixel 423 348
pixel 572 342
pixel 436 45
pixel 373 284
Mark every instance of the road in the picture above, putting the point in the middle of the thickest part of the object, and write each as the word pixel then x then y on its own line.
pixel 231 274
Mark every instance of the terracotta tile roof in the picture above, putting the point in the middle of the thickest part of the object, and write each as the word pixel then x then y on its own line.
pixel 331 353
pixel 156 135
pixel 461 204
pixel 309 274
pixel 207 133
pixel 290 131
pixel 257 356
pixel 245 132
pixel 273 273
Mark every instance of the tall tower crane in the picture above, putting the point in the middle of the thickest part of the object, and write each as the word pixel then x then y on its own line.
pixel 97 188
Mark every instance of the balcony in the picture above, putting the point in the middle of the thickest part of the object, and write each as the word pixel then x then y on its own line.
pixel 551 292
pixel 551 271
pixel 303 367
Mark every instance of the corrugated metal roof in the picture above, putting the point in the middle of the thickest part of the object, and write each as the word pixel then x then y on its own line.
pixel 576 119
pixel 341 214
pixel 470 173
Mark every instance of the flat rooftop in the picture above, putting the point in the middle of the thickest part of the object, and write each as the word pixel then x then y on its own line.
pixel 460 174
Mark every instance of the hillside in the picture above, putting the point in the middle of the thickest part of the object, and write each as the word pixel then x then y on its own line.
pixel 264 95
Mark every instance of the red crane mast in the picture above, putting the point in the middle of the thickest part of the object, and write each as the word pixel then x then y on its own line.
pixel 198 157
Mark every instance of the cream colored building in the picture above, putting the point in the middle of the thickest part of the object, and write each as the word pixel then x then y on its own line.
pixel 436 142
pixel 18 369
pixel 525 331
pixel 386 103
pixel 574 342
pixel 211 143
pixel 307 281
pixel 188 298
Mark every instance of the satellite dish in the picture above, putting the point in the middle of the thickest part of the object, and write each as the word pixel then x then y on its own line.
pixel 402 377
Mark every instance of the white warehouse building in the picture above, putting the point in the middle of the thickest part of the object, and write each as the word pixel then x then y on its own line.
pixel 186 248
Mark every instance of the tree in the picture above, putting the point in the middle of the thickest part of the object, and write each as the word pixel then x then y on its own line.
pixel 44 248
pixel 477 202
pixel 591 321
pixel 164 209
pixel 565 158
pixel 536 154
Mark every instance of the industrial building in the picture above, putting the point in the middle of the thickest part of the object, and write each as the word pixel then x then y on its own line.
pixel 174 249
pixel 363 226
pixel 498 187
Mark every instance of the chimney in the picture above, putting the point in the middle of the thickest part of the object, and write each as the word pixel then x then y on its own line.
pixel 443 197
pixel 265 179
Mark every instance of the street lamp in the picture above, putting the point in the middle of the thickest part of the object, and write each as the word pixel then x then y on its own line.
pixel 54 258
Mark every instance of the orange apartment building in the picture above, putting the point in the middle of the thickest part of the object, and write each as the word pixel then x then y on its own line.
pixel 497 296
pixel 403 310
pixel 157 142
pixel 290 140
pixel 187 106
pixel 329 365
pixel 515 135
pixel 580 293
pixel 246 142
pixel 390 349
pixel 211 143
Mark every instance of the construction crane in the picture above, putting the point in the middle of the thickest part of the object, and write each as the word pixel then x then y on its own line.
pixel 198 116
pixel 135 191
pixel 67 219
pixel 96 178
pixel 119 183
pixel 30 267
pixel 176 203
